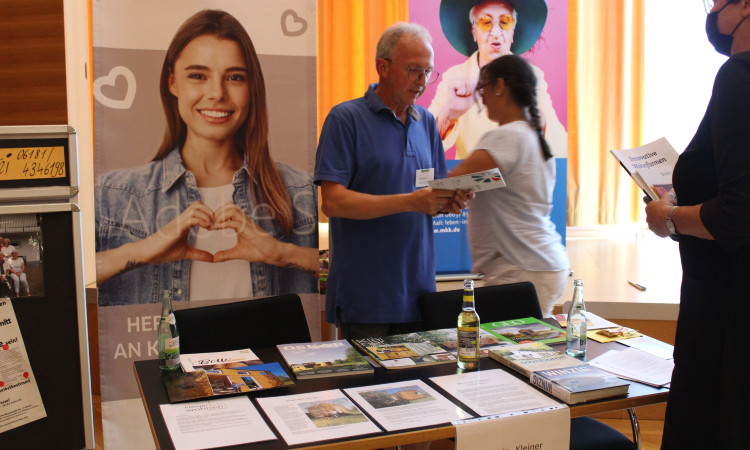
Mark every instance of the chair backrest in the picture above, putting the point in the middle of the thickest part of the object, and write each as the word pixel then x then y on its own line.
pixel 255 323
pixel 493 304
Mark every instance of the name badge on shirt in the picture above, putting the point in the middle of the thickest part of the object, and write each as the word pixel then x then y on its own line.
pixel 424 176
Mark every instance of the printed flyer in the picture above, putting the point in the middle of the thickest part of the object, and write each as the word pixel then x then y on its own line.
pixel 20 401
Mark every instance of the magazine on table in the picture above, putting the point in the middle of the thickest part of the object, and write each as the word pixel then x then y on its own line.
pixel 404 350
pixel 206 383
pixel 527 329
pixel 323 359
pixel 530 356
pixel 218 360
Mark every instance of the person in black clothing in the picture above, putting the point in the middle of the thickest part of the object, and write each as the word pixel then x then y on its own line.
pixel 709 213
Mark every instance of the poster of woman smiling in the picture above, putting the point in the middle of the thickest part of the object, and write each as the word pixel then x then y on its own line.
pixel 204 135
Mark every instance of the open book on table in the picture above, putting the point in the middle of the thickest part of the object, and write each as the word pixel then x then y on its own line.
pixel 650 166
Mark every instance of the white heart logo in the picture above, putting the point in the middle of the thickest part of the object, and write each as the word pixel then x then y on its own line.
pixel 111 80
pixel 287 25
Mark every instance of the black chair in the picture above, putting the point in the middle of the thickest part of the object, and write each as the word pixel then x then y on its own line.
pixel 493 303
pixel 255 323
pixel 515 301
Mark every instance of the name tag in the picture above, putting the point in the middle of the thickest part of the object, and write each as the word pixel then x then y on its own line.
pixel 424 176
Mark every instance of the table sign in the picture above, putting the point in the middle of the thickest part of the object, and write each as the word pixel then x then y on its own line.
pixel 545 428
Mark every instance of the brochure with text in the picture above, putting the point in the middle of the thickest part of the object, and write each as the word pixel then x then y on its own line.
pixel 20 400
pixel 215 423
pixel 406 404
pixel 650 166
pixel 477 182
pixel 494 391
pixel 316 416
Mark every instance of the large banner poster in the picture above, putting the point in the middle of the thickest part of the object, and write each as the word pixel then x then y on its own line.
pixel 204 137
pixel 540 34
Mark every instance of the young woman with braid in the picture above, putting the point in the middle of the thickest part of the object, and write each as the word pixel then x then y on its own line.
pixel 511 236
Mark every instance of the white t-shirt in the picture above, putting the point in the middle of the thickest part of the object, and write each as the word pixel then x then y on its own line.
pixel 16 264
pixel 514 221
pixel 6 251
pixel 228 279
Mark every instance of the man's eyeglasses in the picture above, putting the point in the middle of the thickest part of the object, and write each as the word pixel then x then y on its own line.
pixel 416 73
pixel 505 22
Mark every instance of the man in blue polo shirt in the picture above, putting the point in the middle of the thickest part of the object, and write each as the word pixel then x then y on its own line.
pixel 375 157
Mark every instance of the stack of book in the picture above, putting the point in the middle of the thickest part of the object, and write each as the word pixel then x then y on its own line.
pixel 567 378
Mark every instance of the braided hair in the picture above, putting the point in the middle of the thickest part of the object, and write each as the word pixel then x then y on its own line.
pixel 520 79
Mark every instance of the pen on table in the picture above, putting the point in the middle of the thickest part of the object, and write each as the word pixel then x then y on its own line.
pixel 637 286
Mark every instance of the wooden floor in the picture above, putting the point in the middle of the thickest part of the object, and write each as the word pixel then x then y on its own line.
pixel 606 257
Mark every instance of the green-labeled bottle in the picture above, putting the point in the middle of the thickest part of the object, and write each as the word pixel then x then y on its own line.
pixel 169 337
pixel 468 330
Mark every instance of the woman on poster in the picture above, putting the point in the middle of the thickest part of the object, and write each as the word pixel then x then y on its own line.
pixel 212 216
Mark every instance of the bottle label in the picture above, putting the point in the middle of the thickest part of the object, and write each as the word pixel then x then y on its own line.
pixel 172 352
pixel 170 319
pixel 469 298
pixel 468 342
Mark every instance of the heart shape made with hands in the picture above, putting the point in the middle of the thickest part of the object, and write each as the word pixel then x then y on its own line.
pixel 213 241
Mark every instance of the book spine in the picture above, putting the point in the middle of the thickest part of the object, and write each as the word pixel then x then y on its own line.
pixel 550 387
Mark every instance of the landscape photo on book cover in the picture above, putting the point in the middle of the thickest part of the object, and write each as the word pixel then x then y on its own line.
pixel 447 338
pixel 318 359
pixel 525 330
pixel 404 350
pixel 183 386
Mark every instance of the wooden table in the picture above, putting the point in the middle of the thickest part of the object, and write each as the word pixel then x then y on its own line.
pixel 154 394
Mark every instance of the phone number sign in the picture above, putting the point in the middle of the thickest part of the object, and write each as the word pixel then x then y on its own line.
pixel 32 163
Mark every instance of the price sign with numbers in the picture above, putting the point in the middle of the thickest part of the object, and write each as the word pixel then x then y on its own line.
pixel 32 163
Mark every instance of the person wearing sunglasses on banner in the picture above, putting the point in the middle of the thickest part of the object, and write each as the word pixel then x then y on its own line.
pixel 375 158
pixel 212 216
pixel 708 212
pixel 511 235
pixel 483 30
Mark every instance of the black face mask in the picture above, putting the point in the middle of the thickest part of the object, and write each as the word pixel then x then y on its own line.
pixel 721 42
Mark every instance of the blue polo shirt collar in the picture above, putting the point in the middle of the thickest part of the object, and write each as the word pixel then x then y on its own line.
pixel 376 104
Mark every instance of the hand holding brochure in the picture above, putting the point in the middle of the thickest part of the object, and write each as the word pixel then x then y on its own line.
pixel 650 166
pixel 477 182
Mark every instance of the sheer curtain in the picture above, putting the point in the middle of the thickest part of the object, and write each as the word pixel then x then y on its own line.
pixel 348 32
pixel 605 97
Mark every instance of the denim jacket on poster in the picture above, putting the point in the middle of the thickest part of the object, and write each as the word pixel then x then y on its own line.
pixel 132 204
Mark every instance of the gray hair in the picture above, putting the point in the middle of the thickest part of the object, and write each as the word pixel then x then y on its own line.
pixel 393 33
pixel 472 19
